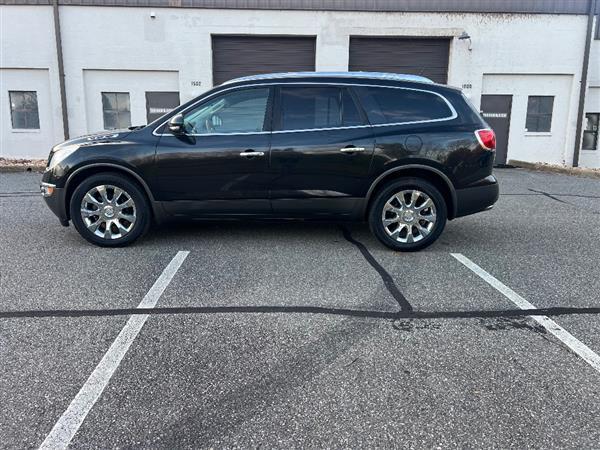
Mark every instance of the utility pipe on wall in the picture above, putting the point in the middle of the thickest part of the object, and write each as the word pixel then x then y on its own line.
pixel 61 70
pixel 583 83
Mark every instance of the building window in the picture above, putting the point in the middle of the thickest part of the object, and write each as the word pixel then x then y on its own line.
pixel 539 113
pixel 24 110
pixel 116 110
pixel 590 133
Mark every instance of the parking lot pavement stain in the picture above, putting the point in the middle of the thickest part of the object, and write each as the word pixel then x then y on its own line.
pixel 388 280
pixel 294 370
pixel 508 323
pixel 411 325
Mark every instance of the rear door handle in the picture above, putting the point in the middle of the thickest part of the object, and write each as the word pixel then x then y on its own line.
pixel 352 149
pixel 251 153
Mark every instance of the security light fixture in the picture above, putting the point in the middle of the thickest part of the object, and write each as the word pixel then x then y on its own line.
pixel 464 35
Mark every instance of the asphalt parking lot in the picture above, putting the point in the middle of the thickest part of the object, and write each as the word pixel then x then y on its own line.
pixel 304 334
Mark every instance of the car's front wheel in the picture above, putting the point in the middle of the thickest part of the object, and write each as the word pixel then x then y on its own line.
pixel 109 210
pixel 408 214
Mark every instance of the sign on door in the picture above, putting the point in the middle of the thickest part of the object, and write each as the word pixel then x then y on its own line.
pixel 159 103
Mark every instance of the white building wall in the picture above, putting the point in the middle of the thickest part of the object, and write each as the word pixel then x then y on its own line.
pixel 18 142
pixel 524 145
pixel 179 40
pixel 136 82
pixel 27 36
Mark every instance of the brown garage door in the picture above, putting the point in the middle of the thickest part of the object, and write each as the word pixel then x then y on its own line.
pixel 238 56
pixel 427 57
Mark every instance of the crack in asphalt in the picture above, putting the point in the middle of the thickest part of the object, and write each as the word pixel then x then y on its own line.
pixel 551 194
pixel 20 194
pixel 555 198
pixel 546 194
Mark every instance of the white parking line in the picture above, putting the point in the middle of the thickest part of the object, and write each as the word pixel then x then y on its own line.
pixel 586 353
pixel 63 431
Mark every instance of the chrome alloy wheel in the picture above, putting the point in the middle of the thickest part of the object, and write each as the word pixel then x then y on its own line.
pixel 108 211
pixel 409 216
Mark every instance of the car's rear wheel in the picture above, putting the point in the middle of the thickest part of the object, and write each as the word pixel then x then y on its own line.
pixel 109 210
pixel 408 214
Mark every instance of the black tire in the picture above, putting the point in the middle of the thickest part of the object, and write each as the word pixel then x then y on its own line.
pixel 137 227
pixel 377 210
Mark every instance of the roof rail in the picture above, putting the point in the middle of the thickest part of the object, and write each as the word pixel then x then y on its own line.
pixel 370 75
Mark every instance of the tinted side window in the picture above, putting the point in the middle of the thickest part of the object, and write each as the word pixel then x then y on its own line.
pixel 390 105
pixel 240 111
pixel 310 107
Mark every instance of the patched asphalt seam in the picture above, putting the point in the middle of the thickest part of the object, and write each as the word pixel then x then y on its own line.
pixel 388 280
pixel 466 314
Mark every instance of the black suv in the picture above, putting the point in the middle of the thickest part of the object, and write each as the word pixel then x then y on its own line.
pixel 397 150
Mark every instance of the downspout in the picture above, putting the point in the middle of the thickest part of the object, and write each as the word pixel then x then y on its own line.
pixel 61 70
pixel 583 84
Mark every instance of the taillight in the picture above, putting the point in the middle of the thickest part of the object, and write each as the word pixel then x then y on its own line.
pixel 487 138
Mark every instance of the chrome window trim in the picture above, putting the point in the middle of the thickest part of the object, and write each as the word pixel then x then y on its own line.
pixel 453 116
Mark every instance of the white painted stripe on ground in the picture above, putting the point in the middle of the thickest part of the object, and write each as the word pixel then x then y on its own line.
pixel 63 431
pixel 586 353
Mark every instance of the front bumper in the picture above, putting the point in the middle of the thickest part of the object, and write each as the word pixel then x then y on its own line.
pixel 55 198
pixel 477 198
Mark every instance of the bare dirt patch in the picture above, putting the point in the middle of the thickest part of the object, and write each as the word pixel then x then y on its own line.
pixel 22 165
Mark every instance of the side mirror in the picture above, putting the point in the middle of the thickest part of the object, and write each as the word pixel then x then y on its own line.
pixel 176 124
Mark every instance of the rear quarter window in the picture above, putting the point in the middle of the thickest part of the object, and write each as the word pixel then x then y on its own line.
pixel 395 105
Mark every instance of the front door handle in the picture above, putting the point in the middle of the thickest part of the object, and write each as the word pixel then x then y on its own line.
pixel 352 149
pixel 251 153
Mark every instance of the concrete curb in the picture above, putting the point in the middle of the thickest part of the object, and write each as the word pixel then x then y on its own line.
pixel 555 168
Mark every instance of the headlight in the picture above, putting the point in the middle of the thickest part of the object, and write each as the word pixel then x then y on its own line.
pixel 59 155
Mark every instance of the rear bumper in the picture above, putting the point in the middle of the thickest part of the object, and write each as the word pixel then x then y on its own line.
pixel 477 198
pixel 57 204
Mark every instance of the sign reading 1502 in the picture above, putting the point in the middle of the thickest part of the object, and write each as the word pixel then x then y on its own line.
pixel 196 83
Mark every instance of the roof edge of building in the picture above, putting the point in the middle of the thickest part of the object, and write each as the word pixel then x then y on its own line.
pixel 421 6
